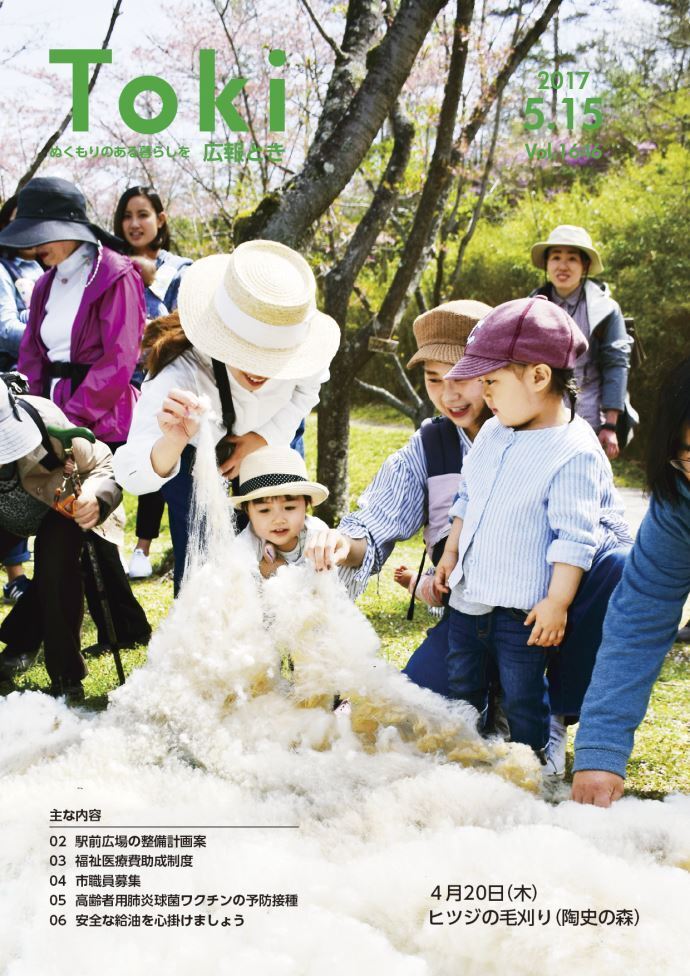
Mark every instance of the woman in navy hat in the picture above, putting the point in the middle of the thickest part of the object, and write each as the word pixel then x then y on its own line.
pixel 82 339
pixel 87 313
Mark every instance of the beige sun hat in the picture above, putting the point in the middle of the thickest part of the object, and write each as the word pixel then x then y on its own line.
pixel 19 435
pixel 276 471
pixel 568 235
pixel 442 332
pixel 255 309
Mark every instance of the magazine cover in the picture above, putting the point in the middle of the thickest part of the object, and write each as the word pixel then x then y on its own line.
pixel 344 502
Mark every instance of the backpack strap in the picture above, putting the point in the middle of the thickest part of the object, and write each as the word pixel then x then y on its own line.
pixel 227 407
pixel 442 450
pixel 220 372
pixel 51 461
pixel 443 455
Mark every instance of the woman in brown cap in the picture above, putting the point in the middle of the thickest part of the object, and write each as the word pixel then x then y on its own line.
pixel 415 487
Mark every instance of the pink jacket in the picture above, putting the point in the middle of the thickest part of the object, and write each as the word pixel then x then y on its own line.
pixel 106 334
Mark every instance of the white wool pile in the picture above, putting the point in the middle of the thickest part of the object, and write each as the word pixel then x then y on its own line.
pixel 369 815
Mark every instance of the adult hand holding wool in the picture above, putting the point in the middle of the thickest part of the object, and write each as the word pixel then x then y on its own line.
pixel 178 420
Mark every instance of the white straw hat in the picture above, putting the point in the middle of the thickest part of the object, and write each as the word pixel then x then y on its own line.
pixel 276 471
pixel 255 309
pixel 19 435
pixel 568 235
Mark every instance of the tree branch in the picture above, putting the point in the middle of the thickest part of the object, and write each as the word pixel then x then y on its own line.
pixel 250 122
pixel 339 281
pixel 50 142
pixel 381 394
pixel 479 203
pixel 331 164
pixel 327 38
pixel 438 179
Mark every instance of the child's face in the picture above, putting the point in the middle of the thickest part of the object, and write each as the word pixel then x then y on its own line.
pixel 511 395
pixel 248 381
pixel 462 401
pixel 278 519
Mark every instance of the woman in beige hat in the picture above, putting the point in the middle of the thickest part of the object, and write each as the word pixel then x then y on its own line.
pixel 568 257
pixel 250 338
pixel 415 487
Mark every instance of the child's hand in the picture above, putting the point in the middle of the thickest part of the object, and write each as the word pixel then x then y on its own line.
pixel 326 549
pixel 244 444
pixel 403 575
pixel 549 618
pixel 178 417
pixel 269 564
pixel 445 567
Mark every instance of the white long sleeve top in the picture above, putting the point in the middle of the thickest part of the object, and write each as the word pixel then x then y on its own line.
pixel 274 411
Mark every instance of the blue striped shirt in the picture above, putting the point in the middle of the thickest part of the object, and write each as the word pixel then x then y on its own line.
pixel 528 499
pixel 393 507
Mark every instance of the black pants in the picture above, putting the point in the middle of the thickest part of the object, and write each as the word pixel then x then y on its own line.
pixel 131 625
pixel 52 608
pixel 150 510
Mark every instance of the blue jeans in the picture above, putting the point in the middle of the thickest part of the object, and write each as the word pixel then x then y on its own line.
pixel 570 667
pixel 501 636
pixel 17 554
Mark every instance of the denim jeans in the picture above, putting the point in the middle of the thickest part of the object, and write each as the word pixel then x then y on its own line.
pixel 569 667
pixel 501 636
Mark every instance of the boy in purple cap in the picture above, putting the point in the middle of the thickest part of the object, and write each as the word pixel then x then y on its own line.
pixel 538 539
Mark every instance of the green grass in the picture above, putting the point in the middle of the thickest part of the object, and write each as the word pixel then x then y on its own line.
pixel 659 763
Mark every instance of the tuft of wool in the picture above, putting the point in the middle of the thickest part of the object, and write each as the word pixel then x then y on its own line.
pixel 367 818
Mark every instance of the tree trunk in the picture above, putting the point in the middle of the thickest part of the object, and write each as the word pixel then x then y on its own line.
pixel 288 215
pixel 334 441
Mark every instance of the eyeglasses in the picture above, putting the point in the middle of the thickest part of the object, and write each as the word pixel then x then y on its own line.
pixel 680 465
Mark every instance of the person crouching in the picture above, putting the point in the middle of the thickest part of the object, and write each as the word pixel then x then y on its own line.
pixel 31 468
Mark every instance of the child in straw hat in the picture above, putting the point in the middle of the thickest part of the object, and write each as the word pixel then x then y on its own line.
pixel 248 336
pixel 274 492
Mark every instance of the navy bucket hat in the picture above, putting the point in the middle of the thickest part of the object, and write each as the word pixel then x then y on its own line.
pixel 50 209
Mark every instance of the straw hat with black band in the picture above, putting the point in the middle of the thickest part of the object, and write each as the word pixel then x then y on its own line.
pixel 568 235
pixel 441 333
pixel 50 209
pixel 276 471
pixel 255 309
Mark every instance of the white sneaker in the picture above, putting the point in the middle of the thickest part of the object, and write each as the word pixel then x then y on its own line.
pixel 555 750
pixel 139 565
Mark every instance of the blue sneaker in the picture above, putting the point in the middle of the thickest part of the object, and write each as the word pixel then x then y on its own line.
pixel 15 589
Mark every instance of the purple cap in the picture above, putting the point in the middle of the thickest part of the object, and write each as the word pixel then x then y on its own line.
pixel 527 330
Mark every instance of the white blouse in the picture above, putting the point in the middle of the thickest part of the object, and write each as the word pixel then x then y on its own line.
pixel 274 411
pixel 64 300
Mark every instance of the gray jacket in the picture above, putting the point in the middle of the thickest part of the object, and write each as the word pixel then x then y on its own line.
pixel 609 343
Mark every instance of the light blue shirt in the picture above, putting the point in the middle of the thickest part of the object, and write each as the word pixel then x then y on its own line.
pixel 12 320
pixel 528 499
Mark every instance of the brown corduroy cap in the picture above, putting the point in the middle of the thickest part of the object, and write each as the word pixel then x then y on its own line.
pixel 442 332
